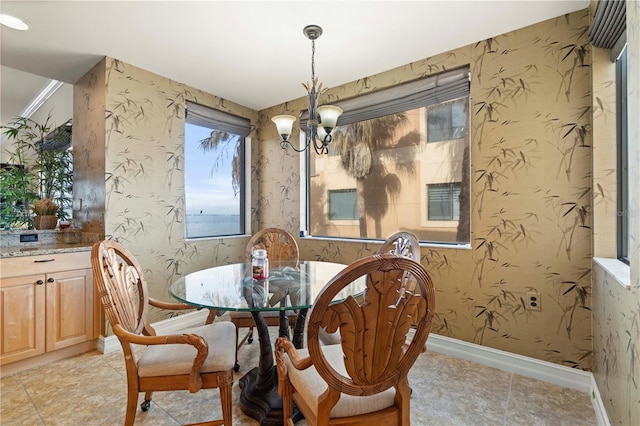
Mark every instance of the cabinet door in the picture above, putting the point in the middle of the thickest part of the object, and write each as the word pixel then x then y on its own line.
pixel 22 301
pixel 69 310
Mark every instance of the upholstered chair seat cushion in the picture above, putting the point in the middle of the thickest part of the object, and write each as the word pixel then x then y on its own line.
pixel 327 338
pixel 170 360
pixel 310 386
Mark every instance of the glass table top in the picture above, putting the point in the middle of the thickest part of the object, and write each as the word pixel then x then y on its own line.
pixel 232 287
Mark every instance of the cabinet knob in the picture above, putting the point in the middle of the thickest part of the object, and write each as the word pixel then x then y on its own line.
pixel 39 282
pixel 50 280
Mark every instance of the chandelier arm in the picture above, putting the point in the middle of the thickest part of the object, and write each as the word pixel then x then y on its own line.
pixel 285 144
pixel 320 145
pixel 321 150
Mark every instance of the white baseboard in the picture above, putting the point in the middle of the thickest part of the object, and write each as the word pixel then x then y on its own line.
pixel 529 367
pixel 549 372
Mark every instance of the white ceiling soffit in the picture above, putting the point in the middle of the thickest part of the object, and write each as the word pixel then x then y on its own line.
pixel 253 52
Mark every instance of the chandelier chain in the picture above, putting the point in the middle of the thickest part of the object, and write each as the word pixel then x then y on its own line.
pixel 313 62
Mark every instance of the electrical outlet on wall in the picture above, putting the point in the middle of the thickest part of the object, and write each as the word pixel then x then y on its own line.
pixel 533 301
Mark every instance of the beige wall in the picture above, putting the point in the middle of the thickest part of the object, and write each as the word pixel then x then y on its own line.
pixel 616 310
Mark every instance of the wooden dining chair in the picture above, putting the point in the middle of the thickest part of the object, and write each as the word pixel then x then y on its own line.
pixel 363 379
pixel 190 359
pixel 401 243
pixel 282 251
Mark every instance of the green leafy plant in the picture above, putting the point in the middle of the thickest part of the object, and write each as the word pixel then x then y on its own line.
pixel 40 167
pixel 18 189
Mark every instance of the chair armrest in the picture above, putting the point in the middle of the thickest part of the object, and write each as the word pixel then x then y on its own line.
pixel 173 306
pixel 284 345
pixel 202 348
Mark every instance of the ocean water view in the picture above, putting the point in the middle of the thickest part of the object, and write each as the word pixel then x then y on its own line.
pixel 208 225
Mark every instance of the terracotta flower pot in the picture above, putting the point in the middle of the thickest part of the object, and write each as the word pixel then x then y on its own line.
pixel 45 221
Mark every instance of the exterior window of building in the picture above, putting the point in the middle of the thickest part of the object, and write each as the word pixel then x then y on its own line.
pixel 444 201
pixel 623 158
pixel 447 121
pixel 385 155
pixel 342 205
pixel 214 174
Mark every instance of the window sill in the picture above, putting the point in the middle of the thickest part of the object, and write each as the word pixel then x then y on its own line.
pixel 618 270
pixel 216 237
pixel 372 241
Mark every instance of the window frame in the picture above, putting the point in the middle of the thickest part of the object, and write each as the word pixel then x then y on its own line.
pixel 450 105
pixel 341 191
pixel 622 154
pixel 244 185
pixel 444 222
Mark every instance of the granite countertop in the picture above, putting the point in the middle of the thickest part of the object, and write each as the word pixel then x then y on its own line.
pixel 18 243
pixel 44 249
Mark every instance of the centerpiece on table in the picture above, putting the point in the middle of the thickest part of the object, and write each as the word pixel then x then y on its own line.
pixel 45 210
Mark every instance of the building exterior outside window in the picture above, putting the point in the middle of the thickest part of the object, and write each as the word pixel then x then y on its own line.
pixel 384 165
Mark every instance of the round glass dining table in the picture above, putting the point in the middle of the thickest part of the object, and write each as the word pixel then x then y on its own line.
pixel 232 287
pixel 289 287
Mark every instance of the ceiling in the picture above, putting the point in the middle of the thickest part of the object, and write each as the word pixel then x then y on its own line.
pixel 249 52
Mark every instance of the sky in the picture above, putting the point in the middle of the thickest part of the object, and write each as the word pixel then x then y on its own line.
pixel 211 194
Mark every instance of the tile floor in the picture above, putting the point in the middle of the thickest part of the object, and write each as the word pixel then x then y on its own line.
pixel 90 389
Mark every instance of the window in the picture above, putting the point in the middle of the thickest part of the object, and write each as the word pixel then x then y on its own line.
pixel 380 152
pixel 214 154
pixel 342 205
pixel 446 121
pixel 444 201
pixel 623 158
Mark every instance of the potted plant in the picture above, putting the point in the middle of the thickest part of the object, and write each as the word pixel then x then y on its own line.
pixel 45 210
pixel 40 167
pixel 18 190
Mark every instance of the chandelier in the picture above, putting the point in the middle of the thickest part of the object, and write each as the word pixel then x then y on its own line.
pixel 322 120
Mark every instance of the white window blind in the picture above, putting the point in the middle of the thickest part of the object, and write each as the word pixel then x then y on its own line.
pixel 431 90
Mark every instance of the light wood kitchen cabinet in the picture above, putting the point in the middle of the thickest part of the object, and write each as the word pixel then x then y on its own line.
pixel 22 312
pixel 47 306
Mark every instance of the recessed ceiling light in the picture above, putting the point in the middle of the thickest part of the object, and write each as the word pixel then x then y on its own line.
pixel 13 22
